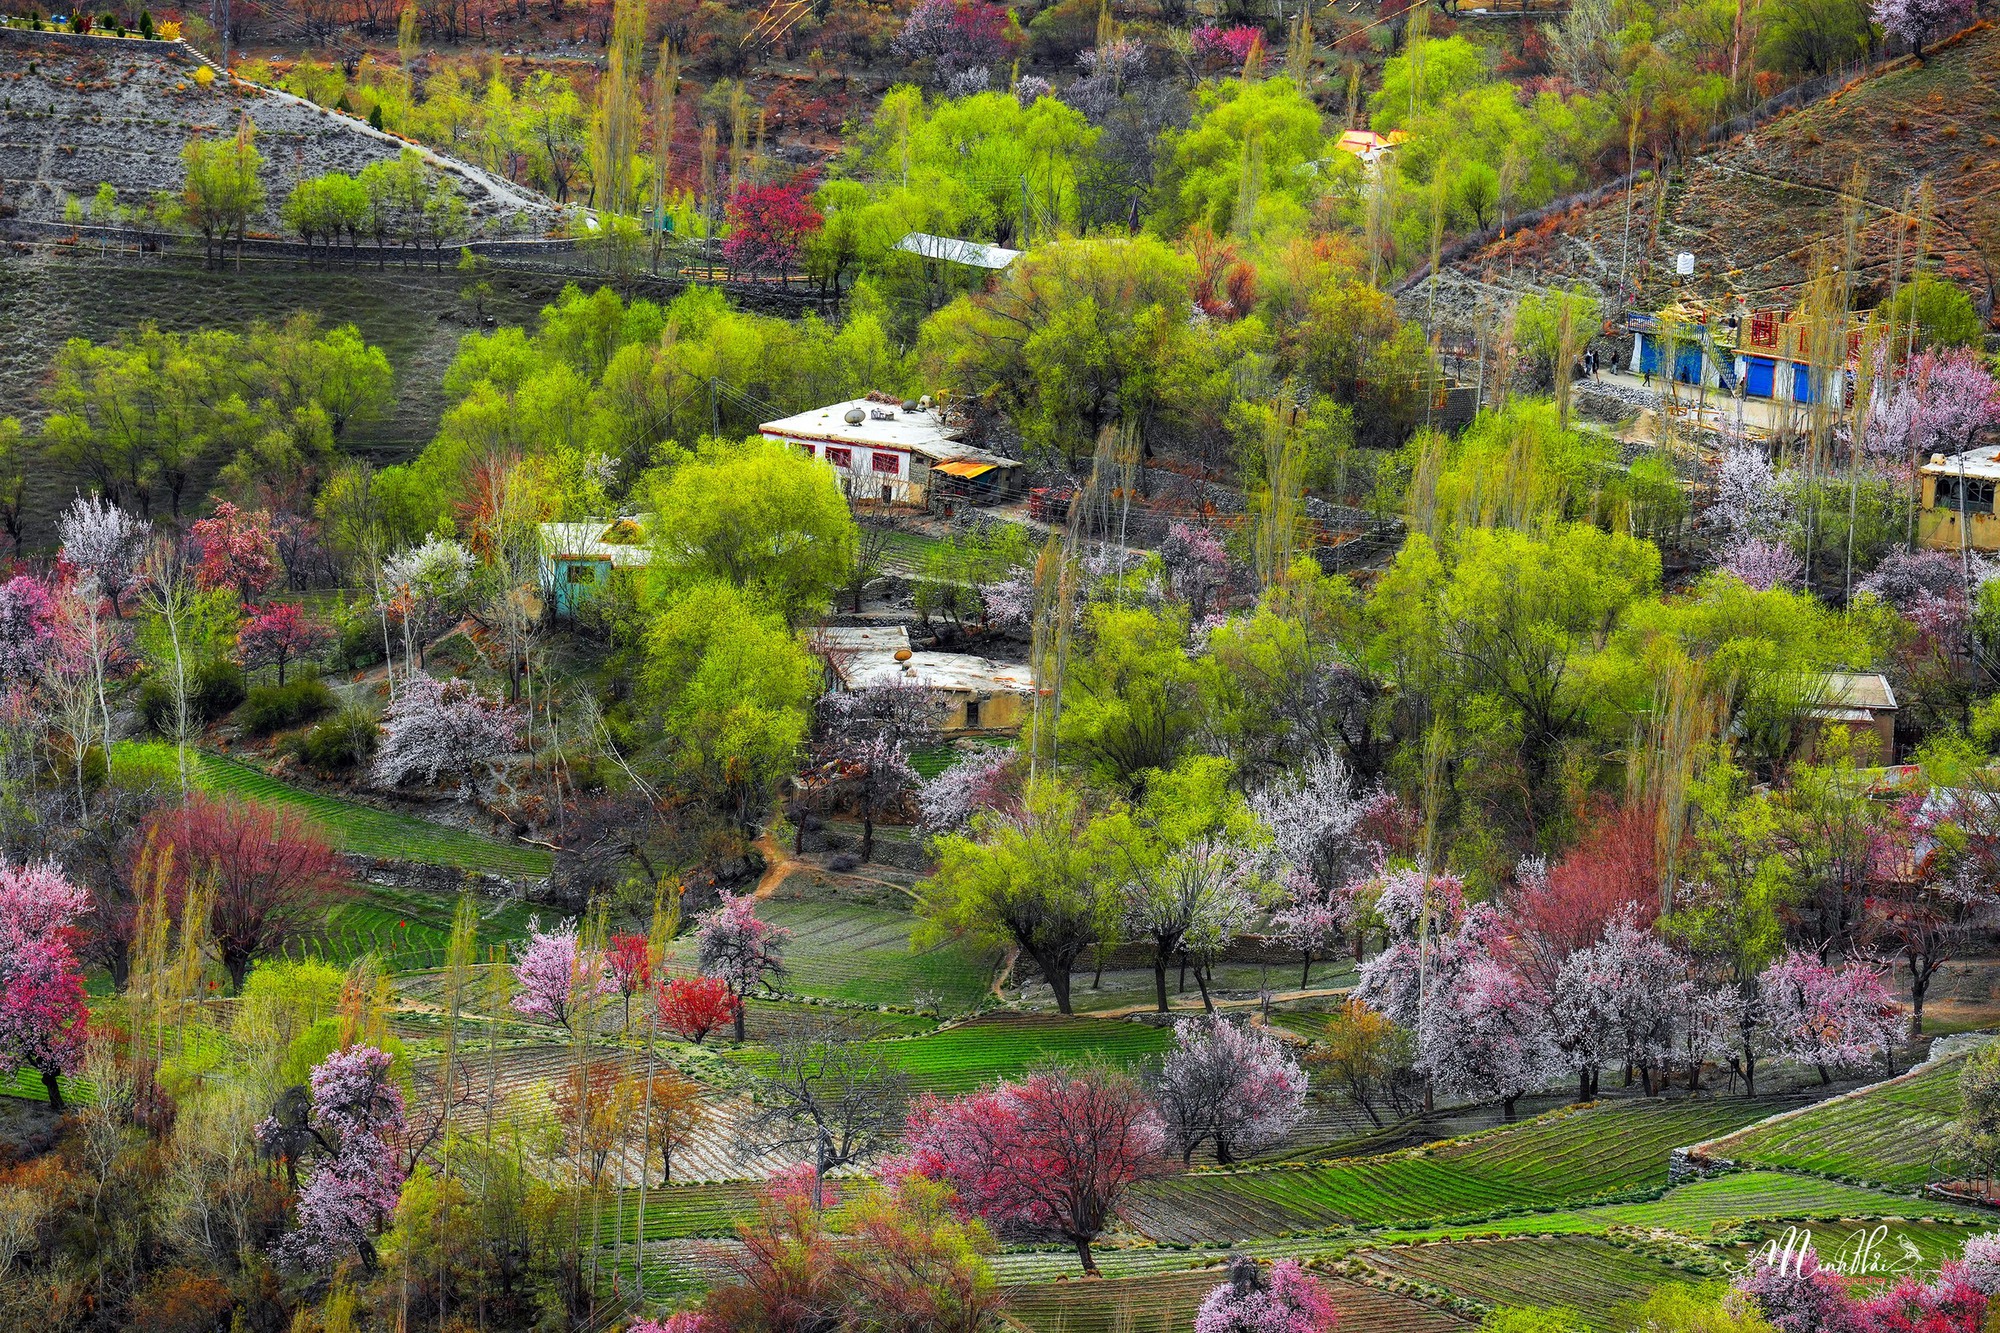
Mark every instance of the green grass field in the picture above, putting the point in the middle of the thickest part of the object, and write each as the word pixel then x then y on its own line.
pixel 847 951
pixel 999 1046
pixel 365 831
pixel 1166 1303
pixel 1889 1134
pixel 1555 1159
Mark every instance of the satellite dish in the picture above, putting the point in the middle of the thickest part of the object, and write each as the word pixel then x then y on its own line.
pixel 909 405
pixel 854 416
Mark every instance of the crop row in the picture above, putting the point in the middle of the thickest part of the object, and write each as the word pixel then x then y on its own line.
pixel 1590 1275
pixel 1540 1163
pixel 1889 1133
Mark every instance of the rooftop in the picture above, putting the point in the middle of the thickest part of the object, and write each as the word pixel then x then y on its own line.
pixel 882 423
pixel 1983 462
pixel 1855 695
pixel 958 673
pixel 973 254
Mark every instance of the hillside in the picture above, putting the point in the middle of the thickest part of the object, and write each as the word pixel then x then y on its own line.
pixel 1753 210
pixel 76 112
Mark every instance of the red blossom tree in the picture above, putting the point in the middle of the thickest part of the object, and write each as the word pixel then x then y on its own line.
pixel 630 963
pixel 43 1016
pixel 237 551
pixel 1566 907
pixel 693 1007
pixel 1053 1153
pixel 279 634
pixel 768 224
pixel 272 873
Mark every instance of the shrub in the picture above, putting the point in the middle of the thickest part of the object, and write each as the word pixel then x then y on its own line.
pixel 357 639
pixel 347 738
pixel 216 688
pixel 272 708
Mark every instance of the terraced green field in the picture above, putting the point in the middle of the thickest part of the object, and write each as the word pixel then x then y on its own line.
pixel 365 831
pixel 1166 1304
pixel 1588 1274
pixel 998 1046
pixel 1558 1158
pixel 408 931
pixel 1889 1133
pixel 847 951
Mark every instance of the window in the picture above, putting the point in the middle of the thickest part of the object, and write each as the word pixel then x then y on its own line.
pixel 887 463
pixel 805 447
pixel 972 712
pixel 582 573
pixel 1978 495
pixel 839 457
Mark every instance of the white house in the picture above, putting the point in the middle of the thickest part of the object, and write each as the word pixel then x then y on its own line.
pixel 888 451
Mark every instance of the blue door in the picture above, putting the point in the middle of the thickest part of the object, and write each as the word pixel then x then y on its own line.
pixel 1802 385
pixel 1687 364
pixel 1649 355
pixel 1760 376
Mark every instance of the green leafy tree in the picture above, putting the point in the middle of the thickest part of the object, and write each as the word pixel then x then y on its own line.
pixel 730 689
pixel 760 516
pixel 1044 883
pixel 224 189
pixel 1130 704
pixel 1248 164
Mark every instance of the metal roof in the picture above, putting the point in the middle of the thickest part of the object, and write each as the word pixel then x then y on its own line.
pixel 1983 462
pixel 622 541
pixel 973 254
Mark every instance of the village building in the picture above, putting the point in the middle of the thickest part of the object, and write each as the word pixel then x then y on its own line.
pixel 1766 354
pixel 1956 501
pixel 577 558
pixel 895 452
pixel 1864 705
pixel 982 697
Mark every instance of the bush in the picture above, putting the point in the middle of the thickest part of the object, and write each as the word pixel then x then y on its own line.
pixel 280 707
pixel 357 639
pixel 217 687
pixel 342 741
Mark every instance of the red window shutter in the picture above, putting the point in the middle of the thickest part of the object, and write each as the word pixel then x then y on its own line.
pixel 887 463
pixel 840 457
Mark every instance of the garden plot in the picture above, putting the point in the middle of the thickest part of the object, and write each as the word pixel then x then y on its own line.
pixel 1588 1274
pixel 996 1046
pixel 1557 1158
pixel 1166 1304
pixel 863 955
pixel 1889 1133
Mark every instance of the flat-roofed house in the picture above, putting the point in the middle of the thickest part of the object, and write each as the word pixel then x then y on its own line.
pixel 892 452
pixel 981 696
pixel 1957 501
pixel 577 558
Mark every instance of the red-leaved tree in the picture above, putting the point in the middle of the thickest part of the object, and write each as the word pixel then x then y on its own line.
pixel 237 551
pixel 270 870
pixel 1566 907
pixel 768 224
pixel 693 1007
pixel 631 966
pixel 280 634
pixel 43 1016
pixel 1051 1154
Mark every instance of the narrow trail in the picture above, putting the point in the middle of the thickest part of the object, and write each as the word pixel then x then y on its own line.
pixel 1183 1004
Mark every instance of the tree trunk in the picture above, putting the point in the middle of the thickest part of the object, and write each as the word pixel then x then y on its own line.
pixel 1306 979
pixel 1083 1254
pixel 1223 1157
pixel 1919 983
pixel 1507 1106
pixel 1583 1085
pixel 1160 979
pixel 867 835
pixel 740 1006
pixel 53 1086
pixel 1201 980
pixel 1059 983
pixel 1825 1079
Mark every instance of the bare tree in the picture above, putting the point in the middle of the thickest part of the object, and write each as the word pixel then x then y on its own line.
pixel 828 1099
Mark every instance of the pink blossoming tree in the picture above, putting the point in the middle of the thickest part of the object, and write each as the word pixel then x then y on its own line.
pixel 1827 1017
pixel 44 1018
pixel 1052 1154
pixel 1916 21
pixel 1229 1085
pixel 280 634
pixel 440 727
pixel 356 1127
pixel 236 551
pixel 1285 1300
pixel 740 949
pixel 560 981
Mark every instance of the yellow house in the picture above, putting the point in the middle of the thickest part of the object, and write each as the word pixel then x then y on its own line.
pixel 1957 490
